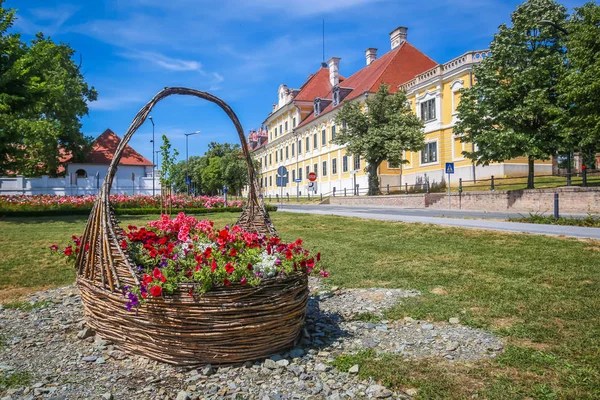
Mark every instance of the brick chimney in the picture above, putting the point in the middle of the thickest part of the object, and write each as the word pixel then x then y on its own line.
pixel 334 70
pixel 371 54
pixel 398 36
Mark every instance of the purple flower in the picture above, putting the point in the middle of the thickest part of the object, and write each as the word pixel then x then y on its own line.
pixel 163 264
pixel 140 268
pixel 277 262
pixel 258 274
pixel 125 289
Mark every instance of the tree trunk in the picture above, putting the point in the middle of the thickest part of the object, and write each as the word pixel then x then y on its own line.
pixel 373 178
pixel 530 175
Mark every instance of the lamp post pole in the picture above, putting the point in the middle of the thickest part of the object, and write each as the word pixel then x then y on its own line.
pixel 187 161
pixel 153 165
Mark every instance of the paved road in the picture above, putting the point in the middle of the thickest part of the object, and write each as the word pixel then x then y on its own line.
pixel 462 219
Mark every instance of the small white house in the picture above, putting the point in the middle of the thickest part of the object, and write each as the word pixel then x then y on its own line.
pixel 134 174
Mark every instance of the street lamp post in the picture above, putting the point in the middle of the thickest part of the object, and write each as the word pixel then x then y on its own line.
pixel 187 162
pixel 153 165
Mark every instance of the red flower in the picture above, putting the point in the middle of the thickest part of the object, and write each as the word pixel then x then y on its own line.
pixel 153 253
pixel 68 251
pixel 319 256
pixel 158 275
pixel 146 279
pixel 191 292
pixel 229 268
pixel 226 282
pixel 123 244
pixel 310 263
pixel 250 267
pixel 155 291
pixel 243 281
pixel 213 266
pixel 144 295
pixel 54 247
pixel 233 252
pixel 289 255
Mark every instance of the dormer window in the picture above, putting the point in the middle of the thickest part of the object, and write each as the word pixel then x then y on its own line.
pixel 336 95
pixel 317 109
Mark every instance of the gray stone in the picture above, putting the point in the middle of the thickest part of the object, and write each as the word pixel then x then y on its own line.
pixel 183 395
pixel 454 320
pixel 270 364
pixel 320 367
pixel 208 370
pixel 354 369
pixel 86 333
pixel 452 346
pixel 427 327
pixel 283 363
pixel 100 360
pixel 89 358
pixel 108 396
pixel 379 392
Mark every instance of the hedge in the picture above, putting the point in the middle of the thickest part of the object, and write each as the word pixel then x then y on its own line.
pixel 121 211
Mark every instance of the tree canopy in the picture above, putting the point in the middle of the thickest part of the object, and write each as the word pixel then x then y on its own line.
pixel 43 95
pixel 221 165
pixel 380 130
pixel 579 91
pixel 512 109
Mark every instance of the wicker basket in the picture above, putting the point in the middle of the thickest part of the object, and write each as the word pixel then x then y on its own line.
pixel 224 326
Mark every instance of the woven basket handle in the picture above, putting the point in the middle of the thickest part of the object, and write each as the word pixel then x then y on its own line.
pixel 145 111
pixel 103 260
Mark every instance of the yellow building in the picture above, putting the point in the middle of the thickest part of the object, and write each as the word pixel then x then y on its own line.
pixel 297 133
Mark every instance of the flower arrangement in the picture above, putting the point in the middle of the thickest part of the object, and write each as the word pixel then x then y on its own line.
pixel 184 250
pixel 52 202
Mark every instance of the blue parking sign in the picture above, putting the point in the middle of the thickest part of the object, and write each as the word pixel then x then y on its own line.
pixel 449 167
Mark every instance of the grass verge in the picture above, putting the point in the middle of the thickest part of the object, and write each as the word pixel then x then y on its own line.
pixel 591 221
pixel 539 292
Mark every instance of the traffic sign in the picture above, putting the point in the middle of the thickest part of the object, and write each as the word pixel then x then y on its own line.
pixel 282 176
pixel 298 180
pixel 188 180
pixel 449 167
pixel 312 176
pixel 312 185
pixel 225 189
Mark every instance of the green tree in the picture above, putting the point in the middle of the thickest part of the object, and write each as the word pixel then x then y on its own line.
pixel 383 131
pixel 512 110
pixel 168 166
pixel 234 171
pixel 579 91
pixel 43 95
pixel 212 177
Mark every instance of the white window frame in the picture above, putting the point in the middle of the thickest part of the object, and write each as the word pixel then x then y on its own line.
pixel 436 95
pixel 437 152
pixel 455 86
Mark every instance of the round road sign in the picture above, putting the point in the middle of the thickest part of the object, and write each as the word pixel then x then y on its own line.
pixel 312 176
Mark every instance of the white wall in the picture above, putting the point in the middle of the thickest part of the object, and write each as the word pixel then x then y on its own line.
pixel 74 187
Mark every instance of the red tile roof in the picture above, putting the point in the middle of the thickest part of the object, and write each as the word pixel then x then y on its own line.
pixel 394 68
pixel 317 85
pixel 104 148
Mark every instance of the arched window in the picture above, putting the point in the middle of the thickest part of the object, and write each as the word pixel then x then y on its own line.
pixel 81 173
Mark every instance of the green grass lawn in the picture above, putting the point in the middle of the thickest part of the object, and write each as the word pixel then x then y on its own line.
pixel 540 293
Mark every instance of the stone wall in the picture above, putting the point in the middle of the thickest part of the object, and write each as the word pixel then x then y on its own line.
pixel 572 200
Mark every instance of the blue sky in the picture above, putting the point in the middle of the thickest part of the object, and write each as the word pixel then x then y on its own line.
pixel 240 50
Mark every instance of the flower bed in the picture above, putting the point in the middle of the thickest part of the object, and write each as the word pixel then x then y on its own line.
pixel 51 202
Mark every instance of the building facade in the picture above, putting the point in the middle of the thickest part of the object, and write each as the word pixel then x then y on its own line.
pixel 298 132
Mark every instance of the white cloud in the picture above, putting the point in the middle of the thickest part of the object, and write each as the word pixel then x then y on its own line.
pixel 172 64
pixel 115 102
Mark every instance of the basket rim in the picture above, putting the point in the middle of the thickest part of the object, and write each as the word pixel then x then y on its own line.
pixel 234 286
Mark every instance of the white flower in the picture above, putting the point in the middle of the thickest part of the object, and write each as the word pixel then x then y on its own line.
pixel 266 265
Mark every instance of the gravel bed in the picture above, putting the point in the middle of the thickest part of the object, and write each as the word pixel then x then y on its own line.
pixel 66 360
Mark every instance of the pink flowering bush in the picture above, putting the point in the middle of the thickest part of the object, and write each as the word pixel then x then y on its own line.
pixel 184 250
pixel 51 202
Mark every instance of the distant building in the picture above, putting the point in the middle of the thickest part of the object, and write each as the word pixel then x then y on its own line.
pixel 297 133
pixel 101 155
pixel 133 176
